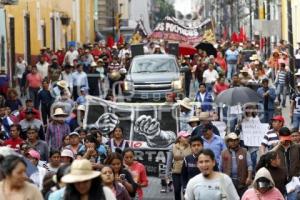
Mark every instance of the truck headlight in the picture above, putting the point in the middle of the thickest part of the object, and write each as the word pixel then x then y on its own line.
pixel 177 85
pixel 128 85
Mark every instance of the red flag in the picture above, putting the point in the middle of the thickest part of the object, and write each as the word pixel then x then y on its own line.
pixel 225 33
pixel 242 36
pixel 234 37
pixel 110 41
pixel 121 40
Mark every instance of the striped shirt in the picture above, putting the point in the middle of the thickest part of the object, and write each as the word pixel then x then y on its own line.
pixel 270 139
pixel 282 76
pixel 55 134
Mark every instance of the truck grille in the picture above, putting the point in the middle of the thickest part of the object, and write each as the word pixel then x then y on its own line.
pixel 153 86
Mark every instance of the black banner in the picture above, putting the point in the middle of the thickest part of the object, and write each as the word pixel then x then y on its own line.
pixel 150 128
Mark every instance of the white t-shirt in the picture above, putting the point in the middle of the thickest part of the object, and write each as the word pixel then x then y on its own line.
pixel 20 69
pixel 70 57
pixel 201 188
pixel 43 69
pixel 210 76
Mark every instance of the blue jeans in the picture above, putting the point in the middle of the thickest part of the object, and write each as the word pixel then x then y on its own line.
pixel 296 120
pixel 33 94
pixel 281 89
pixel 177 184
pixel 268 114
pixel 231 71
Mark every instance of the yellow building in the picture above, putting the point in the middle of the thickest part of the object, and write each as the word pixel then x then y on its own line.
pixel 295 4
pixel 33 24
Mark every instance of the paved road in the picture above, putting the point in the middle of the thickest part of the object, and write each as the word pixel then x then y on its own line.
pixel 152 192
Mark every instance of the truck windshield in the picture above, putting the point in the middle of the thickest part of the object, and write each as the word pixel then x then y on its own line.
pixel 153 66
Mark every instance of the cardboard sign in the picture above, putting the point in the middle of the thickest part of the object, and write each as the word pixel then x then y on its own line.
pixel 253 132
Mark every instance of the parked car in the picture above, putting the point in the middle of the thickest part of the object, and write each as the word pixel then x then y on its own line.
pixel 151 77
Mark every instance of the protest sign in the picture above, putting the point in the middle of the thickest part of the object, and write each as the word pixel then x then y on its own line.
pixel 253 132
pixel 150 128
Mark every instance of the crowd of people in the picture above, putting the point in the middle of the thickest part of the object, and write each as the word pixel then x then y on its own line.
pixel 68 161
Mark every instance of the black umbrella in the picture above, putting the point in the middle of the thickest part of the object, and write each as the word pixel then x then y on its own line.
pixel 208 47
pixel 238 95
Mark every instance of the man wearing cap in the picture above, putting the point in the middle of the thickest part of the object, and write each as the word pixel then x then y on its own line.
pixel 268 95
pixel 67 156
pixel 271 138
pixel 77 118
pixel 295 107
pixel 75 146
pixel 31 121
pixel 289 153
pixel 236 163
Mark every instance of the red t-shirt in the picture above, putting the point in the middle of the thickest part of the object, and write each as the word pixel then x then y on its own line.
pixel 218 88
pixel 36 114
pixel 139 175
pixel 13 143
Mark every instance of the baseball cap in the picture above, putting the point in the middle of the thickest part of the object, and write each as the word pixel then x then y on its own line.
pixel 184 134
pixel 67 153
pixel 278 118
pixel 74 133
pixel 34 154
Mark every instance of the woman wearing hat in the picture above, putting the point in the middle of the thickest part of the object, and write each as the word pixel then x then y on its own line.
pixel 179 151
pixel 83 183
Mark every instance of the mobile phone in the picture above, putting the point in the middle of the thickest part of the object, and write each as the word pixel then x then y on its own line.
pixel 122 176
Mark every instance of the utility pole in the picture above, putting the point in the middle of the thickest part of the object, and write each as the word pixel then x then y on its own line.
pixel 251 26
pixel 291 40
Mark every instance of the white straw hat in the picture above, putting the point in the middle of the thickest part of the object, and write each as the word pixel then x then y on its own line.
pixel 81 170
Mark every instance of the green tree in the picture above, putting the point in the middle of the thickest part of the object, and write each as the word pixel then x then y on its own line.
pixel 162 9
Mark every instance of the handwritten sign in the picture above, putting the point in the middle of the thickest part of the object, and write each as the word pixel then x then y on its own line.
pixel 253 133
pixel 221 127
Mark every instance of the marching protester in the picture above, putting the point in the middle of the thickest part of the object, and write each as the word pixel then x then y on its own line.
pixel 58 124
pixel 263 187
pixel 179 151
pixel 210 184
pixel 236 163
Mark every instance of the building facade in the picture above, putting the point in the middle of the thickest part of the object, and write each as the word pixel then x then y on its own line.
pixel 33 24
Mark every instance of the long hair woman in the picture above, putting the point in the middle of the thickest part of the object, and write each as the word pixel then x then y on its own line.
pixel 14 185
pixel 85 184
pixel 123 176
